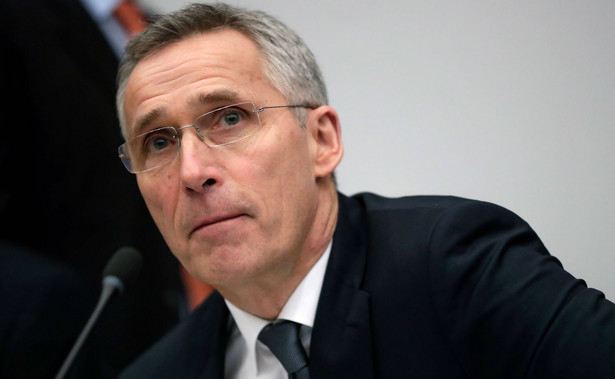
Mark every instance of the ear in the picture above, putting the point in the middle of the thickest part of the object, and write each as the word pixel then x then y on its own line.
pixel 324 125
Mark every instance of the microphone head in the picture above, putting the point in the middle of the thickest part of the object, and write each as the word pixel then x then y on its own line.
pixel 124 265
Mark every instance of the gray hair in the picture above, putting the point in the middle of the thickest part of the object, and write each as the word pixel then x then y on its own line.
pixel 289 65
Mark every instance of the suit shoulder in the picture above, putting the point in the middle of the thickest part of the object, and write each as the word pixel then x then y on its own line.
pixel 439 203
pixel 192 347
pixel 422 216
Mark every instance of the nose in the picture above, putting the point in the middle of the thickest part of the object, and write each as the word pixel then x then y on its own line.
pixel 198 169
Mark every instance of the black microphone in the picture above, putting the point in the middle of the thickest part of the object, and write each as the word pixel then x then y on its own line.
pixel 121 270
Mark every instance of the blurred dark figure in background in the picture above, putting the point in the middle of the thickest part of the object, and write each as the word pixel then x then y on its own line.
pixel 43 308
pixel 63 193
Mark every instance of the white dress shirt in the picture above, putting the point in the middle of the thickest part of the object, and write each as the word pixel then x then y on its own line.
pixel 246 357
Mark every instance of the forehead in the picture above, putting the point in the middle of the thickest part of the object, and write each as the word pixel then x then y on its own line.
pixel 181 76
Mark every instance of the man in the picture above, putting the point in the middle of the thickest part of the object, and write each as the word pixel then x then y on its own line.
pixel 234 147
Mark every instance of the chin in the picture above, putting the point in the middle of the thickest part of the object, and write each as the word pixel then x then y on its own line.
pixel 222 265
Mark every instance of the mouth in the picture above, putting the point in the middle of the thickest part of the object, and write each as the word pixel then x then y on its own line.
pixel 218 221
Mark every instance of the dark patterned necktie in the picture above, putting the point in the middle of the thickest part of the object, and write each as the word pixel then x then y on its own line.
pixel 282 339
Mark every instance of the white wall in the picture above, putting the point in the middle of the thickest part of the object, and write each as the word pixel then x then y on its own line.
pixel 511 102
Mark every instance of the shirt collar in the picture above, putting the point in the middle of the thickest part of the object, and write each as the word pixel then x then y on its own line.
pixel 302 304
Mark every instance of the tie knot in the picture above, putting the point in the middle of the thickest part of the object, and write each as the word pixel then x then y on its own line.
pixel 282 338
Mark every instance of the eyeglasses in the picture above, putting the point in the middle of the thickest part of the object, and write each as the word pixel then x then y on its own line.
pixel 220 127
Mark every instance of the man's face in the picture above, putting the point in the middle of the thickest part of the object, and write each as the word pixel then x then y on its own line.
pixel 236 213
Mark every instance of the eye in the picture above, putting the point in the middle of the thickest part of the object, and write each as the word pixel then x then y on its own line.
pixel 231 117
pixel 227 124
pixel 158 143
pixel 157 140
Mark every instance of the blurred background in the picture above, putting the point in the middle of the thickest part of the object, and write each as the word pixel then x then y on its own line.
pixel 510 102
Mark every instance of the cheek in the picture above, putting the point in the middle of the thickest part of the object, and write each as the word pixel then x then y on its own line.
pixel 273 168
pixel 280 173
pixel 160 198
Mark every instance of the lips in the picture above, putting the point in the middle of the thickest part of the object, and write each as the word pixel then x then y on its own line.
pixel 214 221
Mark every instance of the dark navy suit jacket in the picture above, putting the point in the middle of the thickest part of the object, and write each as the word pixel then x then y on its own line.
pixel 427 287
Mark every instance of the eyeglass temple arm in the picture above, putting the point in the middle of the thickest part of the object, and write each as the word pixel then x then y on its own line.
pixel 259 110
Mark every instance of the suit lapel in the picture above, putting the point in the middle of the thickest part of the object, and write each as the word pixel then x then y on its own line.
pixel 341 339
pixel 212 335
pixel 197 348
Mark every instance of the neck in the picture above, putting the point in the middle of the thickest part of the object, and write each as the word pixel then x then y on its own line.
pixel 267 297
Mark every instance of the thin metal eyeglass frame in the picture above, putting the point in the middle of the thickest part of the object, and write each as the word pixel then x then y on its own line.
pixel 257 111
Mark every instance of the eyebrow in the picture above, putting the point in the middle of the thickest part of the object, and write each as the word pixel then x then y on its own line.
pixel 223 95
pixel 199 99
pixel 147 119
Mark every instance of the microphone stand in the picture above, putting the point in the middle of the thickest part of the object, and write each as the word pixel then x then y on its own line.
pixel 110 285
